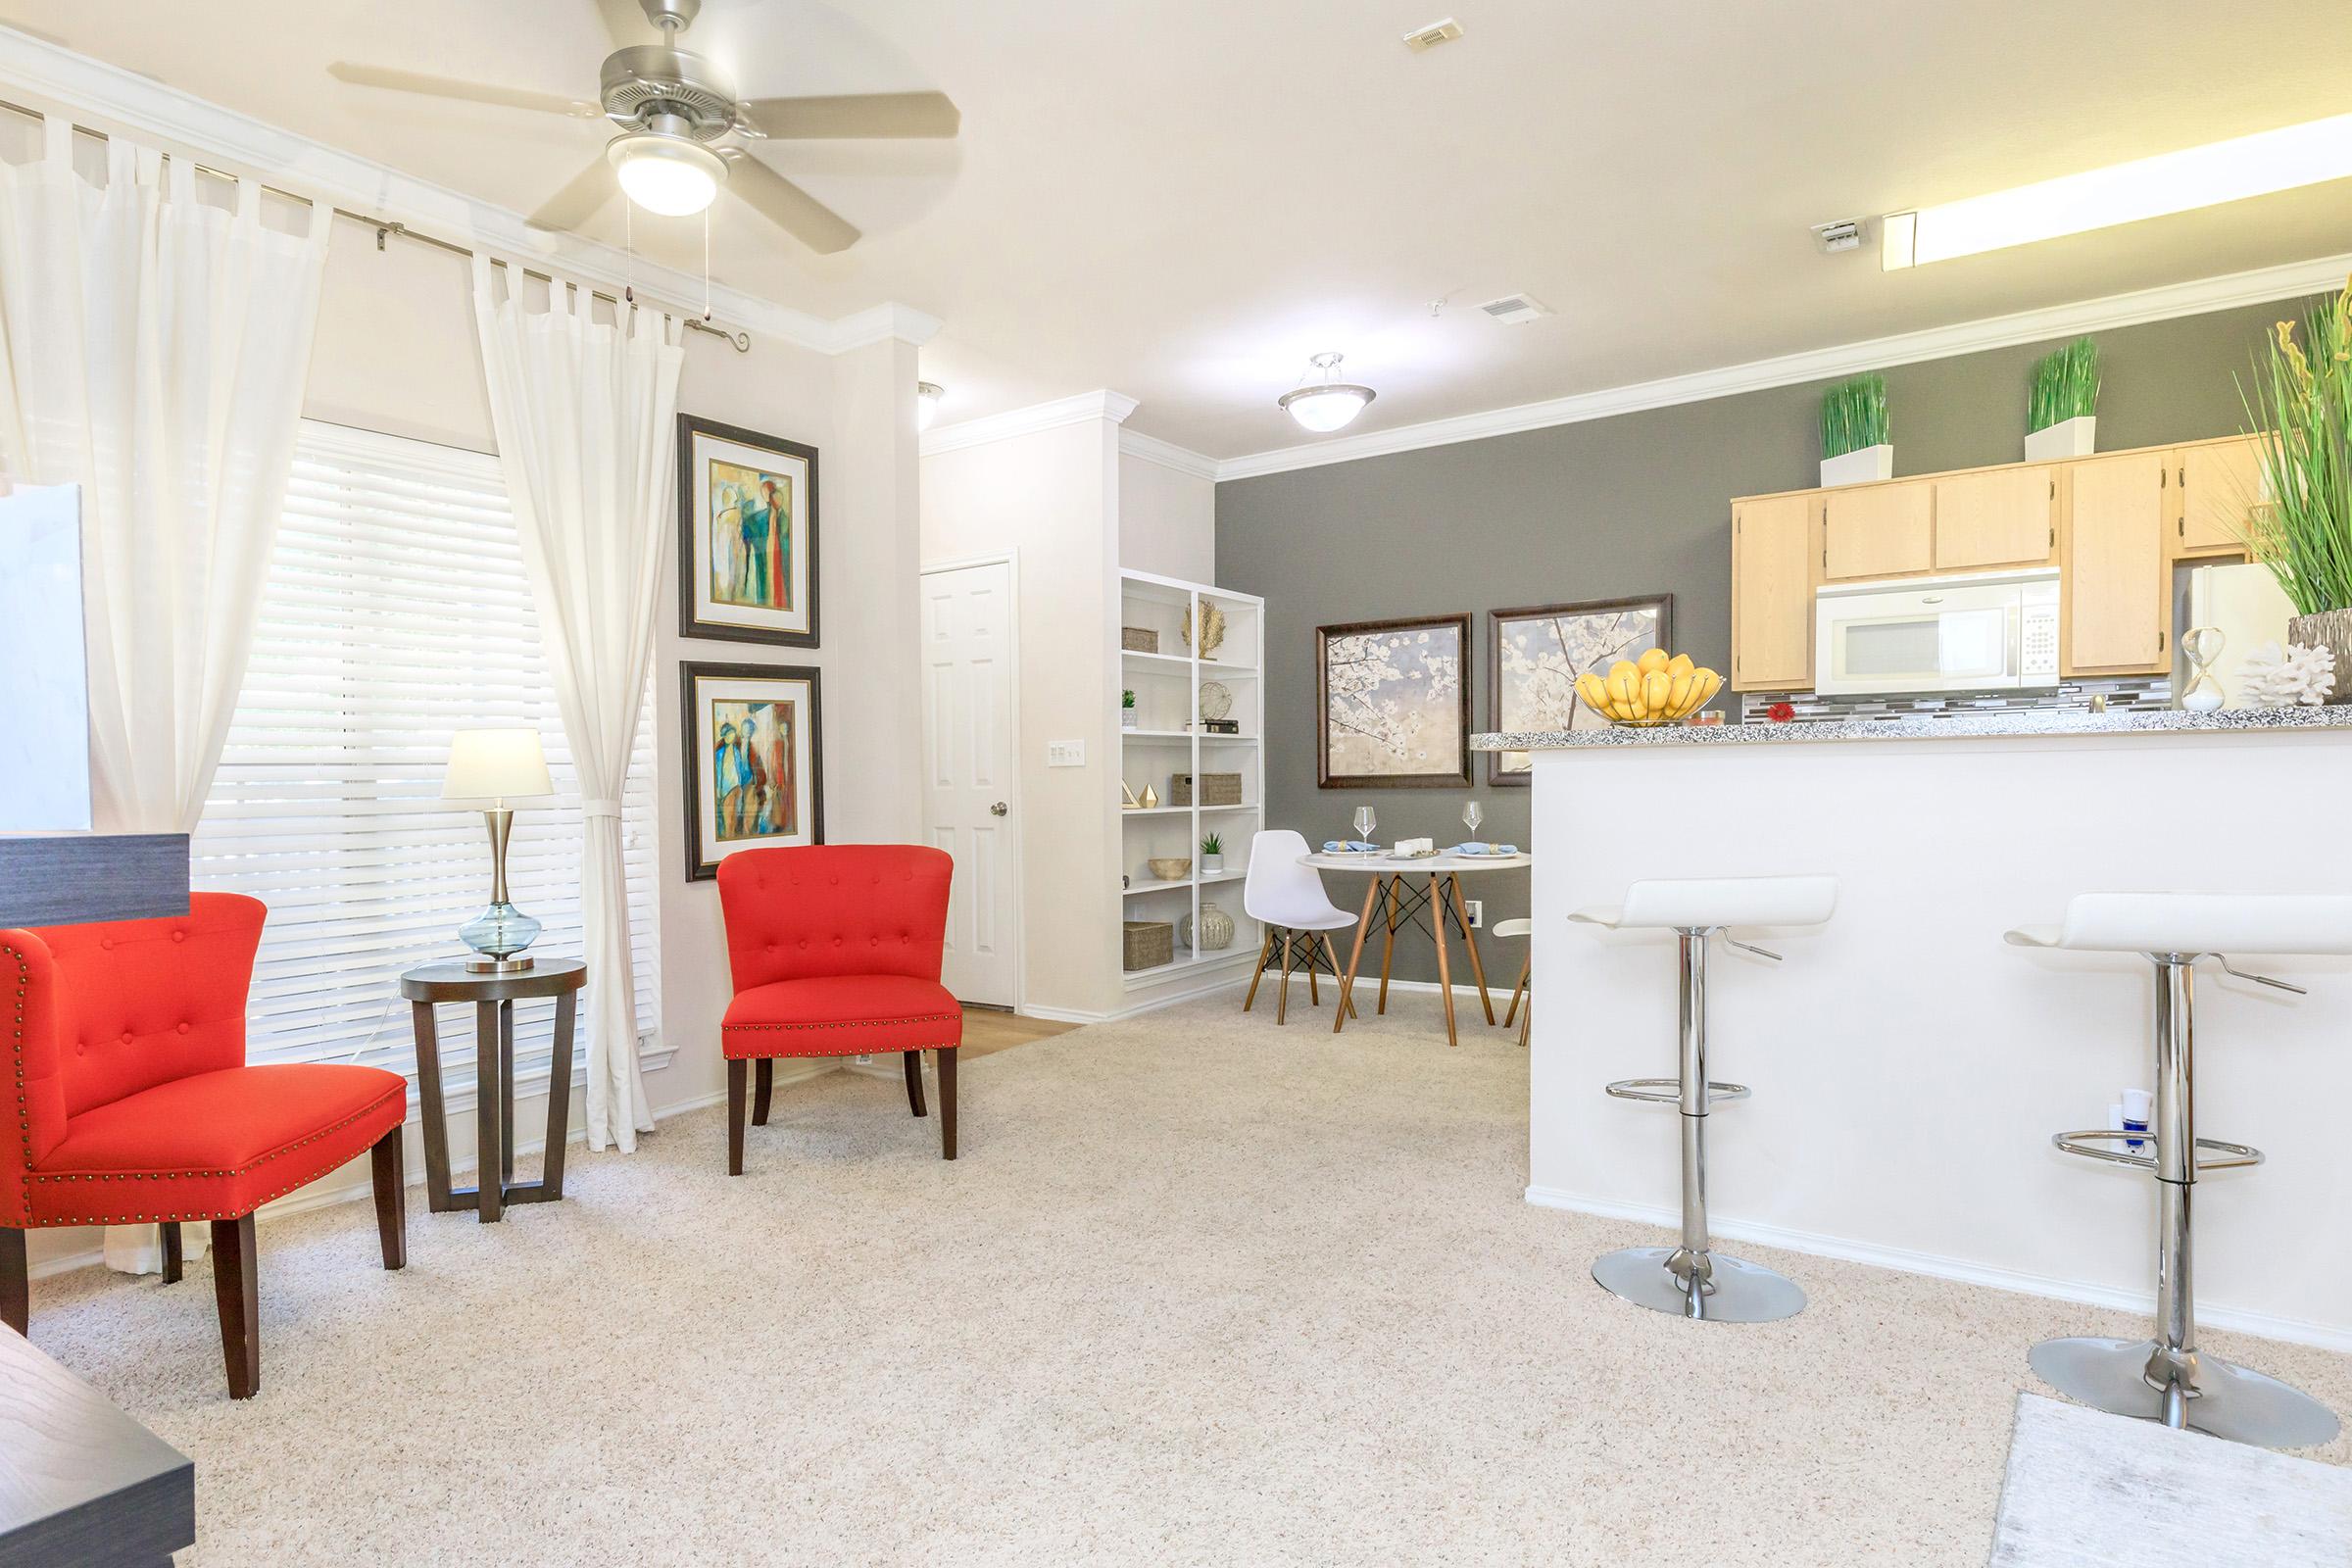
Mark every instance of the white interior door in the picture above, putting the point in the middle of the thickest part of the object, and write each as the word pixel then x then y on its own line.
pixel 970 754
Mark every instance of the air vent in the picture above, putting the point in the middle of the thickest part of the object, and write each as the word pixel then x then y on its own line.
pixel 1423 39
pixel 1845 234
pixel 1516 307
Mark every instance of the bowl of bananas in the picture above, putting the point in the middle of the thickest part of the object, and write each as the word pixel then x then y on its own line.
pixel 1653 689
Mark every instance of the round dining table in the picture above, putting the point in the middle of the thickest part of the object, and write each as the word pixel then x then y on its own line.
pixel 1403 889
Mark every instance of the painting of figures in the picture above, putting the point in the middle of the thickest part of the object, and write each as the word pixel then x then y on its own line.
pixel 753 760
pixel 1540 650
pixel 1393 702
pixel 747 535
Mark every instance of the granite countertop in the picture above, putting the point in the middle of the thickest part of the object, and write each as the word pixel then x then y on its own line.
pixel 1927 726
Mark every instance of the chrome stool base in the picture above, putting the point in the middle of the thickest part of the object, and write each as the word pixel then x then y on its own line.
pixel 2230 1401
pixel 1739 1293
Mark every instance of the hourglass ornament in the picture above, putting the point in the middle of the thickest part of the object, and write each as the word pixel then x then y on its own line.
pixel 2201 646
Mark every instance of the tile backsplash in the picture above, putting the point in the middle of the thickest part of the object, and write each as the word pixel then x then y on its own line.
pixel 2123 694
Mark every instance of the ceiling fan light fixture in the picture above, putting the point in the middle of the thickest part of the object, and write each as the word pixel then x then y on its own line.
pixel 667 174
pixel 927 397
pixel 1325 406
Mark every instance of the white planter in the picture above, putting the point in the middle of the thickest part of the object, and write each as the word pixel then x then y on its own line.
pixel 1211 865
pixel 1126 718
pixel 2067 439
pixel 1865 466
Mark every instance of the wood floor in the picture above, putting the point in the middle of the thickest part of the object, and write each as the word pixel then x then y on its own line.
pixel 987 1031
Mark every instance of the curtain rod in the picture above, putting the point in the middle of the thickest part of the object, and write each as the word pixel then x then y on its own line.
pixel 741 341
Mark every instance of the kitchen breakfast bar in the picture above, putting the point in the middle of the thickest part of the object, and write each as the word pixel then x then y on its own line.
pixel 1908 1067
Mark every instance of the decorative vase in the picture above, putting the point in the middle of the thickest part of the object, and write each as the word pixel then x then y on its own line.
pixel 1214 930
pixel 1126 718
pixel 1865 466
pixel 2330 629
pixel 2067 439
pixel 1212 863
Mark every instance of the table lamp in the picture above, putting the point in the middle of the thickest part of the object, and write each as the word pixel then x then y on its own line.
pixel 498 765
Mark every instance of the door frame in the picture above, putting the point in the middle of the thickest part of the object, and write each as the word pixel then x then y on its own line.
pixel 1011 560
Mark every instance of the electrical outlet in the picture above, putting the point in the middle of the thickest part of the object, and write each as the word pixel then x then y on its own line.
pixel 1477 912
pixel 864 1060
pixel 1065 754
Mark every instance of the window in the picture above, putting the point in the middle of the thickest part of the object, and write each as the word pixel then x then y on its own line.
pixel 397 611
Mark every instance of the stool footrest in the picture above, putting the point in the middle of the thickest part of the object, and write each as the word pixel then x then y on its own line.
pixel 1669 1090
pixel 2235 1157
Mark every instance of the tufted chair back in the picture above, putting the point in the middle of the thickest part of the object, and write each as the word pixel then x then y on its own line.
pixel 116 1007
pixel 834 910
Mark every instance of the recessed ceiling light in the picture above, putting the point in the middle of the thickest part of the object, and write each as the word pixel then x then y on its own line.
pixel 1326 404
pixel 2123 193
pixel 1423 39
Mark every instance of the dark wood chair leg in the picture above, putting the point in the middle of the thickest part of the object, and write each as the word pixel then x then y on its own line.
pixel 913 1060
pixel 947 1101
pixel 167 1241
pixel 236 1285
pixel 15 1281
pixel 763 1087
pixel 389 1157
pixel 737 1073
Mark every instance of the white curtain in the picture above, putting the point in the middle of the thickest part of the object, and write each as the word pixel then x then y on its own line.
pixel 155 349
pixel 585 415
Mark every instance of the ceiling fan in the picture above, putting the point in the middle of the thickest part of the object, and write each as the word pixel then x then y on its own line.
pixel 672 108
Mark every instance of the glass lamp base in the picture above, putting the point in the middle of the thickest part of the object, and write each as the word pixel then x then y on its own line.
pixel 498 934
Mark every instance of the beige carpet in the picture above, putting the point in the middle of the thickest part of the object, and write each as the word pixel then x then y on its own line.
pixel 1200 1291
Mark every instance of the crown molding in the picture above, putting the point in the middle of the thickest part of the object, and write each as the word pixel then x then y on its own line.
pixel 1167 454
pixel 1102 404
pixel 2287 281
pixel 35 74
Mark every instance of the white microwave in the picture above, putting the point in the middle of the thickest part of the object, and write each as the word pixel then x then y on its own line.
pixel 1993 632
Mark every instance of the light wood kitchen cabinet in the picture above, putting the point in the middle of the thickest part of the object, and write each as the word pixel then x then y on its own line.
pixel 2213 488
pixel 1877 530
pixel 1772 594
pixel 2115 596
pixel 1997 518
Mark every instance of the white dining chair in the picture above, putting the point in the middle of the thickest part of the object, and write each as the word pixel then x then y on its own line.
pixel 1521 996
pixel 1288 899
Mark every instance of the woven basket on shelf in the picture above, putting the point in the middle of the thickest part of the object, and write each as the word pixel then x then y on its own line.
pixel 1146 944
pixel 1139 640
pixel 1216 789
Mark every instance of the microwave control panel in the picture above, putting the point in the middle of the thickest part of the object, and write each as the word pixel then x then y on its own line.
pixel 2037 651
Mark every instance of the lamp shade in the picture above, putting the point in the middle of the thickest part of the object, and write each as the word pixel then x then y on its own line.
pixel 495 764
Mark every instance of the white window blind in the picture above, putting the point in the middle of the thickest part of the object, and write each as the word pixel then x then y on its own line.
pixel 397 611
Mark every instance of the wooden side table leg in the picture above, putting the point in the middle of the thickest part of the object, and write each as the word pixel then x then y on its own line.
pixel 1437 926
pixel 489 1201
pixel 1355 956
pixel 433 1112
pixel 1470 940
pixel 558 1097
pixel 506 1092
pixel 1388 947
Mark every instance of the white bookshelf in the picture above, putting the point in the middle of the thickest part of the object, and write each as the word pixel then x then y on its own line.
pixel 1168 739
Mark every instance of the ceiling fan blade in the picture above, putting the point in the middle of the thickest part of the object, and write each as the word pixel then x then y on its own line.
pixel 470 91
pixel 861 115
pixel 788 207
pixel 582 197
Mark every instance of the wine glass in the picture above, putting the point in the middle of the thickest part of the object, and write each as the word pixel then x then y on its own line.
pixel 1473 815
pixel 1366 820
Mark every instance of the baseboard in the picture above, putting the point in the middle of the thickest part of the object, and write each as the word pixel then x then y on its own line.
pixel 2294 1331
pixel 1062 1014
pixel 1429 988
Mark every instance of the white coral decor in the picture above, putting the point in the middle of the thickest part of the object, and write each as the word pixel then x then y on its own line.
pixel 2299 676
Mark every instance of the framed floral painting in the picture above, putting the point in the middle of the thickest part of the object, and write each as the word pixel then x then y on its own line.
pixel 1393 704
pixel 747 535
pixel 754 761
pixel 1537 654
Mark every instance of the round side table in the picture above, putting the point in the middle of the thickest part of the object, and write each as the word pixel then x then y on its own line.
pixel 493 996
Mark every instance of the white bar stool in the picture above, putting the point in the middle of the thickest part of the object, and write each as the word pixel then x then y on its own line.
pixel 1692 1280
pixel 2164 1379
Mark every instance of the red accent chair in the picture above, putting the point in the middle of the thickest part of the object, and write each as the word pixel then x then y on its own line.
pixel 134 1105
pixel 836 951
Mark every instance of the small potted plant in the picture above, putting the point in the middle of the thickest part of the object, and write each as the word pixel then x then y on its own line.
pixel 2300 408
pixel 1855 448
pixel 2062 408
pixel 1212 855
pixel 1126 709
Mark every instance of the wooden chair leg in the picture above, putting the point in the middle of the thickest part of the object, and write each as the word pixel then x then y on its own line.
pixel 763 1087
pixel 1339 980
pixel 389 1160
pixel 15 1281
pixel 1282 993
pixel 1512 1015
pixel 915 1080
pixel 1259 974
pixel 167 1241
pixel 236 1287
pixel 738 1073
pixel 1527 1021
pixel 947 1101
pixel 1314 990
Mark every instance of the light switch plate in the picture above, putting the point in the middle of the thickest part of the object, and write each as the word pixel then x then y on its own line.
pixel 1065 754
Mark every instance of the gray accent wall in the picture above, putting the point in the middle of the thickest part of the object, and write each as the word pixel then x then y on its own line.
pixel 1637 504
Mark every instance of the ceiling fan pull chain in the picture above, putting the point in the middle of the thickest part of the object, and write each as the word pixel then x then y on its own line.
pixel 706 263
pixel 629 251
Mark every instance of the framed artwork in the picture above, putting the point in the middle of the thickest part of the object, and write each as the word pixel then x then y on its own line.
pixel 1393 704
pixel 747 535
pixel 1536 654
pixel 754 761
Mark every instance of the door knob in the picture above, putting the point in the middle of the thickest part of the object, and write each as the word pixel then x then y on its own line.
pixel 998 809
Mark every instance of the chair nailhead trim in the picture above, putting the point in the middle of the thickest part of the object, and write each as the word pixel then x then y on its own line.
pixel 854 1023
pixel 23 1105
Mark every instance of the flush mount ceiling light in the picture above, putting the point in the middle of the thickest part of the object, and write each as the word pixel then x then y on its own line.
pixel 2123 193
pixel 1325 406
pixel 927 395
pixel 667 174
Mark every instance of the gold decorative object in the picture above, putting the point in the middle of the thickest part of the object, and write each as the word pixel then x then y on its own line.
pixel 1149 800
pixel 1127 801
pixel 1212 631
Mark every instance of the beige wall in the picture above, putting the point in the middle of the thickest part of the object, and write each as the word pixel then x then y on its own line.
pixel 1052 497
pixel 1167 520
